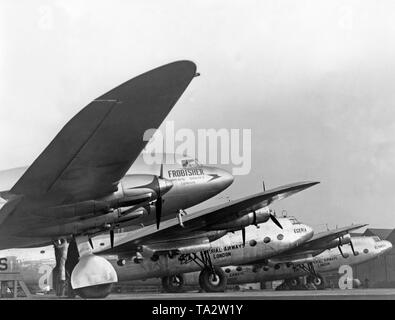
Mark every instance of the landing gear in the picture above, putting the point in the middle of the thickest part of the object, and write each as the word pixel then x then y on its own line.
pixel 59 272
pixel 211 278
pixel 173 284
pixel 313 278
pixel 317 280
pixel 294 284
pixel 290 284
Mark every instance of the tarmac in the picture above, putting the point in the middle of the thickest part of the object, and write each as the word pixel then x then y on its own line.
pixel 335 294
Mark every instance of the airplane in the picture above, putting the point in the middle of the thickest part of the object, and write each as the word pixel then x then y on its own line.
pixel 328 261
pixel 364 249
pixel 301 257
pixel 77 189
pixel 263 242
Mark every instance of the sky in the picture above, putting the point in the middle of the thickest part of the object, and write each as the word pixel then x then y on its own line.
pixel 313 80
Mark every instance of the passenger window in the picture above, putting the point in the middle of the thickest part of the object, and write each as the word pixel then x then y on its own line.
pixel 253 243
pixel 266 240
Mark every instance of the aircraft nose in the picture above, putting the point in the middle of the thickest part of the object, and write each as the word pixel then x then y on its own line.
pixel 227 178
pixel 219 177
pixel 387 246
pixel 307 234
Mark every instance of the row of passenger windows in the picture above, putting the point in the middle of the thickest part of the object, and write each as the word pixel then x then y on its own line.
pixel 366 251
pixel 253 243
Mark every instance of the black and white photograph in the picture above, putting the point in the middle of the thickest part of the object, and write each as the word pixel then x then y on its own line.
pixel 177 150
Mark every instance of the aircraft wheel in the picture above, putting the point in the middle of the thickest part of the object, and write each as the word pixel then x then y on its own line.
pixel 95 292
pixel 173 284
pixel 293 284
pixel 213 282
pixel 318 281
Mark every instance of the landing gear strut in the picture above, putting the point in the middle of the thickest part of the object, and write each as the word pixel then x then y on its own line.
pixel 59 272
pixel 313 277
pixel 211 278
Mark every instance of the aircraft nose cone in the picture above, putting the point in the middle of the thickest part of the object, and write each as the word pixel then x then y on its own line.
pixel 387 247
pixel 307 235
pixel 227 178
pixel 219 178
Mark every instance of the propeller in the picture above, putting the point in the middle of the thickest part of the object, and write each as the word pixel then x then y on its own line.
pixel 352 248
pixel 159 201
pixel 91 243
pixel 274 219
pixel 341 251
pixel 112 238
pixel 254 220
pixel 243 234
pixel 271 216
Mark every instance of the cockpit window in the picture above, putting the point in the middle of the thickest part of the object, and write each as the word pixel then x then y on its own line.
pixel 294 221
pixel 376 239
pixel 190 163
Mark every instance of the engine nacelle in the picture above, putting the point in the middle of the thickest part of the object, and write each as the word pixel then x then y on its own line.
pixel 346 239
pixel 137 189
pixel 243 221
pixel 93 270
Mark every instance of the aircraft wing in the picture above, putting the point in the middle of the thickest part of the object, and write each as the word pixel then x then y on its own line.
pixel 95 149
pixel 203 219
pixel 323 239
pixel 318 243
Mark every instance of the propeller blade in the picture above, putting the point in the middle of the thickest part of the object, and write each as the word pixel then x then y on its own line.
pixel 274 219
pixel 352 248
pixel 158 211
pixel 254 219
pixel 112 238
pixel 161 171
pixel 243 234
pixel 263 185
pixel 341 252
pixel 90 242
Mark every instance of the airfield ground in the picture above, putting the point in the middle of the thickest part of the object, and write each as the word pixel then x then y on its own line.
pixel 356 294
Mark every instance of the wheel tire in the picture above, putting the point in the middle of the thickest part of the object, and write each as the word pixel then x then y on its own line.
pixel 293 284
pixel 95 292
pixel 318 282
pixel 210 282
pixel 173 284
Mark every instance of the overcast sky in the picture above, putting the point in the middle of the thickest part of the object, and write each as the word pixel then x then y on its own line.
pixel 313 80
